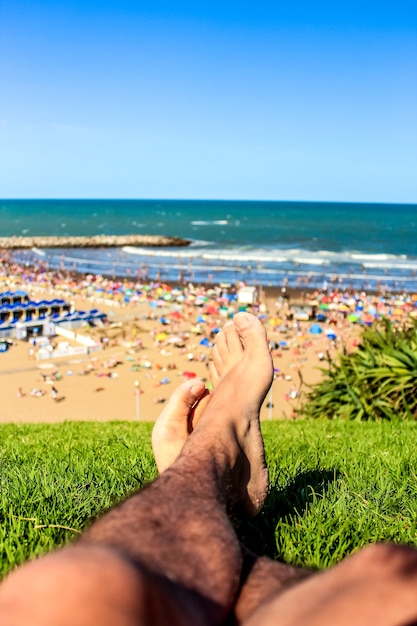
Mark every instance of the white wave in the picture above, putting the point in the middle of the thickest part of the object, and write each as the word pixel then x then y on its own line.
pixel 209 222
pixel 251 256
pixel 183 253
pixel 310 260
pixel 38 252
pixel 248 257
pixel 393 265
pixel 200 243
pixel 373 257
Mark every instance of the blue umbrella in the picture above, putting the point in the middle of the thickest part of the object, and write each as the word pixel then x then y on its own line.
pixel 315 329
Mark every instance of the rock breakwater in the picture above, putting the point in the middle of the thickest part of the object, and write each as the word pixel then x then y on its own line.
pixel 96 241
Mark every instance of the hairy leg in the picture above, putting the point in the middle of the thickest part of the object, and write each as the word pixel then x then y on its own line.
pixel 375 586
pixel 262 578
pixel 87 586
pixel 175 534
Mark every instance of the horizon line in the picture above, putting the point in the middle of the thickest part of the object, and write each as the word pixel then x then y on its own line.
pixel 155 199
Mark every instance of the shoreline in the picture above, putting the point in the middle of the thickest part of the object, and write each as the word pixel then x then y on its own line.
pixel 181 262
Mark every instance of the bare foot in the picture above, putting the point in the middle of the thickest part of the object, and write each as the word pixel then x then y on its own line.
pixel 177 421
pixel 229 428
pixel 188 402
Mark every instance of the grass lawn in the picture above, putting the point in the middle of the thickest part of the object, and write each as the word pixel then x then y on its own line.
pixel 335 486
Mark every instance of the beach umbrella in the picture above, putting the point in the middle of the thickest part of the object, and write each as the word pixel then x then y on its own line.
pixel 315 329
pixel 275 321
pixel 161 336
pixel 189 374
pixel 205 342
pixel 176 339
pixel 212 310
pixel 352 318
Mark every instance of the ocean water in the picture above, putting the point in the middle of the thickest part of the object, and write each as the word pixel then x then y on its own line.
pixel 305 244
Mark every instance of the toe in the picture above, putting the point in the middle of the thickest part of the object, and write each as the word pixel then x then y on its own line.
pixel 221 348
pixel 183 399
pixel 216 355
pixel 249 328
pixel 234 344
pixel 214 375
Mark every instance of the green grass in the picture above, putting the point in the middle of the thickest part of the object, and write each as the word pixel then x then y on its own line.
pixel 335 486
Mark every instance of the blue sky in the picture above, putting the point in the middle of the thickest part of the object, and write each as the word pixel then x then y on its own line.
pixel 223 100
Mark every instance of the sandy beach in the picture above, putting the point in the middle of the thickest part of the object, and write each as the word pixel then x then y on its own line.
pixel 156 336
pixel 142 362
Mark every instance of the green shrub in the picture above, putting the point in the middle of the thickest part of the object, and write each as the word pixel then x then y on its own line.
pixel 378 381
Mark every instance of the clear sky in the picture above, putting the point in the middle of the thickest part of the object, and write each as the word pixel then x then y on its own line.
pixel 294 100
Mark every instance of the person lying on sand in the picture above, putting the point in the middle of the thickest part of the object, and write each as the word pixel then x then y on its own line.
pixel 169 554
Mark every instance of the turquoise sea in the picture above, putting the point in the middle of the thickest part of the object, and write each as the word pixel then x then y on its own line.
pixel 302 243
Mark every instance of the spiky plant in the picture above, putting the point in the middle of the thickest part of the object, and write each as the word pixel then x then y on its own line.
pixel 378 381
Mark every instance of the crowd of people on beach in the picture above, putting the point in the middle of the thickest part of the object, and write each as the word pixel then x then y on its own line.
pixel 182 320
pixel 354 305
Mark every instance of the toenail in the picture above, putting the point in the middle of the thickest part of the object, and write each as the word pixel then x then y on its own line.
pixel 242 320
pixel 197 388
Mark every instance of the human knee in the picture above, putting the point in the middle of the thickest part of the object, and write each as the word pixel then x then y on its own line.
pixel 387 559
pixel 73 586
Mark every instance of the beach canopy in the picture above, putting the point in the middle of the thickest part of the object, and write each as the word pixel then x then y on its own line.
pixel 189 374
pixel 352 318
pixel 315 329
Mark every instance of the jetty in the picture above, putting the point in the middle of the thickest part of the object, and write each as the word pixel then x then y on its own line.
pixel 95 241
